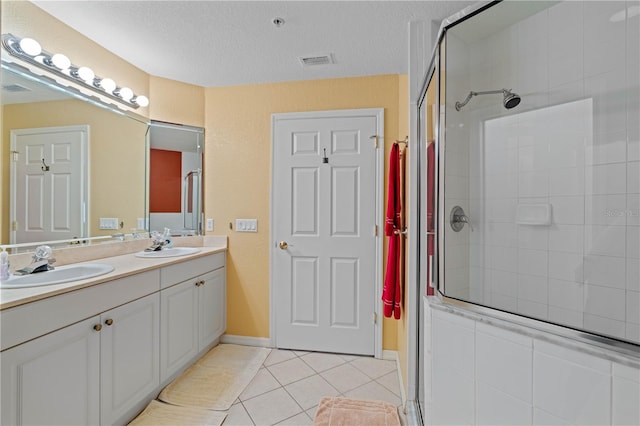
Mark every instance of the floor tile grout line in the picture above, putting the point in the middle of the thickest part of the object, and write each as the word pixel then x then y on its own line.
pixel 262 393
pixel 248 414
pixel 387 387
pixel 295 400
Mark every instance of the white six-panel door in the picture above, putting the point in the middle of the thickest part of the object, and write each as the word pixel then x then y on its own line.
pixel 49 183
pixel 325 255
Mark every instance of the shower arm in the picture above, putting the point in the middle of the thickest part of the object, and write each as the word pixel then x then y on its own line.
pixel 471 94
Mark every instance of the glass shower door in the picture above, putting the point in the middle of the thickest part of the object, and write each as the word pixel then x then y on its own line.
pixel 540 164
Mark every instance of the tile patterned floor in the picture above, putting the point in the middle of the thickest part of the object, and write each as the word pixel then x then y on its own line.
pixel 289 385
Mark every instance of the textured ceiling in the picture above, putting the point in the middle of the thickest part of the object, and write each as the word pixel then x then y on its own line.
pixel 223 43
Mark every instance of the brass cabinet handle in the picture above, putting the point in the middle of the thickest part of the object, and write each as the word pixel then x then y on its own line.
pixel 97 327
pixel 109 321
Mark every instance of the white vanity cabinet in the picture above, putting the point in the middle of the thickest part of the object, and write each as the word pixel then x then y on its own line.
pixel 86 357
pixel 54 379
pixel 94 372
pixel 99 354
pixel 193 311
pixel 129 358
pixel 212 308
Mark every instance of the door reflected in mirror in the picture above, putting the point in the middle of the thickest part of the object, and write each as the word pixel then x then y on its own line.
pixel 175 178
pixel 62 151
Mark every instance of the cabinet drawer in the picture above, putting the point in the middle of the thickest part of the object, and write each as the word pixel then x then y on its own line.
pixel 177 273
pixel 35 319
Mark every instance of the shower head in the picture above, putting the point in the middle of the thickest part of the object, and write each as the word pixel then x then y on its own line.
pixel 511 100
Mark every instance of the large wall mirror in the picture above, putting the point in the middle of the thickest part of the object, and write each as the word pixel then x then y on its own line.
pixel 72 168
pixel 175 178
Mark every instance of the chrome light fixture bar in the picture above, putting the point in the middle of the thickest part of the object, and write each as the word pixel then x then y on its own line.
pixel 29 50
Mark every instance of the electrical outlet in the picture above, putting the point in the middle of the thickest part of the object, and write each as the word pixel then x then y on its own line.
pixel 209 224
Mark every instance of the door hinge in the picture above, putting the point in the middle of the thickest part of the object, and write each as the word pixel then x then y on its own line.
pixel 14 225
pixel 375 138
pixel 375 317
pixel 14 156
pixel 375 230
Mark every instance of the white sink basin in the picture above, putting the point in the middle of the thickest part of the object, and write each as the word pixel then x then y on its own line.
pixel 170 252
pixel 60 274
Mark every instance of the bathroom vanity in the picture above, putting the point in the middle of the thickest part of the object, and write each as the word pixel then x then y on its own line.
pixel 96 351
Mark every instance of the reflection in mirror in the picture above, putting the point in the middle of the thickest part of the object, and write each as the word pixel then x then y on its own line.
pixel 175 178
pixel 68 164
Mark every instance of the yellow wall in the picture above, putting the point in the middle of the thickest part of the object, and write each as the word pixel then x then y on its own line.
pixel 175 102
pixel 116 157
pixel 238 164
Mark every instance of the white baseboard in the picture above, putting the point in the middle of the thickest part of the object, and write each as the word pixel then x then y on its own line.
pixel 262 342
pixel 390 355
pixel 393 356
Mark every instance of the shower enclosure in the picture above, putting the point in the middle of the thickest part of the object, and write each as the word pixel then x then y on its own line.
pixel 539 178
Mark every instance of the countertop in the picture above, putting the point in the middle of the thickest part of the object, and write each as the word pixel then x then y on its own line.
pixel 124 265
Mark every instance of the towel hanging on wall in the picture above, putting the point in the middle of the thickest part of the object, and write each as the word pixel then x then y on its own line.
pixel 391 292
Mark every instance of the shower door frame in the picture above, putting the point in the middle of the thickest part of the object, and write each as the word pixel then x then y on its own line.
pixel 625 348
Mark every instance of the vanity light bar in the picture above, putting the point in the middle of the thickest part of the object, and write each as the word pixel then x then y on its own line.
pixel 29 50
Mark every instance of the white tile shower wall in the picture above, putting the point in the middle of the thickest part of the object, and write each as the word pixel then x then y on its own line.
pixel 523 376
pixel 574 143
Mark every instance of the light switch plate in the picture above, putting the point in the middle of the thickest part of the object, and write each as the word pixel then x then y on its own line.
pixel 246 225
pixel 109 223
pixel 209 224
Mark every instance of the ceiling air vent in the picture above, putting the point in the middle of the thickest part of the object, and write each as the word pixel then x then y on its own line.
pixel 15 88
pixel 315 60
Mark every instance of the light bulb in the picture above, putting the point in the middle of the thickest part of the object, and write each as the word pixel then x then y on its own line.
pixel 86 74
pixel 141 100
pixel 108 85
pixel 30 47
pixel 60 61
pixel 125 93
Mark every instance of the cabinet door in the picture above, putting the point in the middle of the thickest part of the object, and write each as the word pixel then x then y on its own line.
pixel 213 305
pixel 54 379
pixel 130 354
pixel 178 327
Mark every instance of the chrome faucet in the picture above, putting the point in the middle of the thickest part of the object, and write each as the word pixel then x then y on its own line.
pixel 40 262
pixel 160 241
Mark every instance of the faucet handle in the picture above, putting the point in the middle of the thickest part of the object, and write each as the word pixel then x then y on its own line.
pixel 42 252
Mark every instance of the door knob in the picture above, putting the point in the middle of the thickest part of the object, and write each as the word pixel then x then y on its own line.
pixel 283 245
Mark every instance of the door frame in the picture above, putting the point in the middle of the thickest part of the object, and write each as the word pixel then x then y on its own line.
pixel 378 113
pixel 84 182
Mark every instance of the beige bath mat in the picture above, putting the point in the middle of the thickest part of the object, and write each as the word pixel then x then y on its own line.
pixel 161 414
pixel 217 379
pixel 355 412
